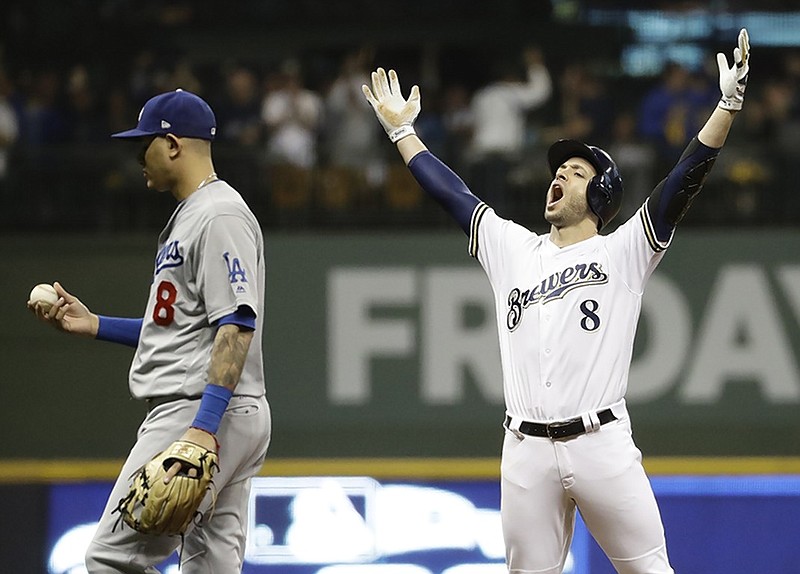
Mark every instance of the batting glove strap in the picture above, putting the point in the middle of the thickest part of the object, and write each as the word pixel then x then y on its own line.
pixel 734 102
pixel 399 133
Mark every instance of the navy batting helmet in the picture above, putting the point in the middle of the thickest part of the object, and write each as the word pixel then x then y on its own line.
pixel 604 192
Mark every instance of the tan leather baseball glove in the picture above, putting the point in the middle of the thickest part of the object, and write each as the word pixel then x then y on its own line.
pixel 154 507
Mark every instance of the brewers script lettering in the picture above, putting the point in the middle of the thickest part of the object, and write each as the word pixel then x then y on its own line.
pixel 553 287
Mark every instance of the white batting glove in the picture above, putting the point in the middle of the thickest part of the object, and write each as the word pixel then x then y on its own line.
pixel 733 80
pixel 396 114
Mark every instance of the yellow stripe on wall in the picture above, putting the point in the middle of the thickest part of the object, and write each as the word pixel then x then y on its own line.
pixel 79 470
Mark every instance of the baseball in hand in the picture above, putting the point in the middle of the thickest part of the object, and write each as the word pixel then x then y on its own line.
pixel 44 296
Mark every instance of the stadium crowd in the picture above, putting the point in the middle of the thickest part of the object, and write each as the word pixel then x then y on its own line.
pixel 298 139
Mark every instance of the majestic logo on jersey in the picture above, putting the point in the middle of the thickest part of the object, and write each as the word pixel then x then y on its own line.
pixel 169 256
pixel 236 273
pixel 552 288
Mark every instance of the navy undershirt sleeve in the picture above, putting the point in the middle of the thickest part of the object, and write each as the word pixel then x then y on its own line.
pixel 244 317
pixel 445 186
pixel 121 330
pixel 677 182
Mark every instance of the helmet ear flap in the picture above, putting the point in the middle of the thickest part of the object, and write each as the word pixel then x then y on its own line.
pixel 602 182
pixel 600 195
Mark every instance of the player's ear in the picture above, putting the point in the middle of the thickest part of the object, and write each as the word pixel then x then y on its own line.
pixel 173 144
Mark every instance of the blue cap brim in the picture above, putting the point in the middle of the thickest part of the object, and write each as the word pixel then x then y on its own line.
pixel 130 134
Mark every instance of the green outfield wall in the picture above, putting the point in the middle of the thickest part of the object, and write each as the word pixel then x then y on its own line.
pixel 384 345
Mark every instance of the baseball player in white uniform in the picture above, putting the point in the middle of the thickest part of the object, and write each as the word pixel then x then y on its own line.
pixel 567 307
pixel 198 360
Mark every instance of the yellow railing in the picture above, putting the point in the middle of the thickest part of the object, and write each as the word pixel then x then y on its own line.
pixel 79 470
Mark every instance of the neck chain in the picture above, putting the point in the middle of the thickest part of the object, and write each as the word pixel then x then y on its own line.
pixel 208 179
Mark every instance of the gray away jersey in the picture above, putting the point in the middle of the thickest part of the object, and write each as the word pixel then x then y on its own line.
pixel 566 317
pixel 210 261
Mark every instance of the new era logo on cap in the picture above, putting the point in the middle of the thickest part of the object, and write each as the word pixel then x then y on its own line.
pixel 180 113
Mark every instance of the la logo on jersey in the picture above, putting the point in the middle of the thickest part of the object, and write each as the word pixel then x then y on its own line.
pixel 236 272
pixel 552 288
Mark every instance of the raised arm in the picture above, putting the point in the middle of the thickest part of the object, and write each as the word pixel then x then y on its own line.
pixel 397 116
pixel 673 196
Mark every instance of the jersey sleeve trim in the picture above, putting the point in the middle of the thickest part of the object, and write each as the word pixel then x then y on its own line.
pixel 244 317
pixel 650 232
pixel 474 223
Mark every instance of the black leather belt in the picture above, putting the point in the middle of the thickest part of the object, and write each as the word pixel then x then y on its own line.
pixel 561 429
pixel 154 402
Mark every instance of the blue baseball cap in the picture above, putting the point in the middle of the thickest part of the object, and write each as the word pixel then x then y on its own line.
pixel 180 113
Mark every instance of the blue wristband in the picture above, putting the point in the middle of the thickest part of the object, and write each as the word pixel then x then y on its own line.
pixel 119 330
pixel 212 406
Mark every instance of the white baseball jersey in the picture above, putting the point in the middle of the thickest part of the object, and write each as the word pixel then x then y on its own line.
pixel 210 262
pixel 566 317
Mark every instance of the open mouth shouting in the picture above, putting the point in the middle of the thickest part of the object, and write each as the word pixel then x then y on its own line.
pixel 555 194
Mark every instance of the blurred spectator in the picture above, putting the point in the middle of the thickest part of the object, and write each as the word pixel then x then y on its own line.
pixel 431 127
pixel 584 111
pixel 239 112
pixel 118 109
pixel 457 119
pixel 673 110
pixel 43 125
pixel 781 115
pixel 293 115
pixel 499 127
pixel 635 160
pixel 9 129
pixel 88 135
pixel 84 116
pixel 766 144
pixel 146 77
pixel 183 76
pixel 42 119
pixel 789 139
pixel 351 137
pixel 333 148
pixel 352 140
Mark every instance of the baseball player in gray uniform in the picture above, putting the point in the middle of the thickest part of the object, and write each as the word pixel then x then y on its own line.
pixel 567 306
pixel 198 361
